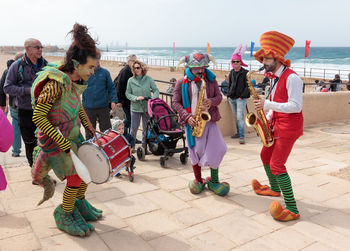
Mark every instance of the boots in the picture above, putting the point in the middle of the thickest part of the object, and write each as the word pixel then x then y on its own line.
pixel 221 188
pixel 196 187
pixel 86 210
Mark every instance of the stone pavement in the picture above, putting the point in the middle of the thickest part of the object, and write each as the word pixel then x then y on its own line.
pixel 157 211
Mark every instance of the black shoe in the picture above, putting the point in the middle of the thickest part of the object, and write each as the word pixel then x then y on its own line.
pixel 15 155
pixel 138 141
pixel 235 136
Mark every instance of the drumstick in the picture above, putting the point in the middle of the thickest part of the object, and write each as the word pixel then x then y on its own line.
pixel 81 169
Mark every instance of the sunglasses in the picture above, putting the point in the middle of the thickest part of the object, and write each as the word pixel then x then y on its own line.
pixel 37 47
pixel 137 68
pixel 236 61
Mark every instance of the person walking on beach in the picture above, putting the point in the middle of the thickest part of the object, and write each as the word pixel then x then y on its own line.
pixel 238 91
pixel 17 142
pixel 140 87
pixel 121 82
pixel 19 80
pixel 100 89
pixel 284 102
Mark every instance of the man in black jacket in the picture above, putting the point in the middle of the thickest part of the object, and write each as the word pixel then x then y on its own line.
pixel 238 92
pixel 121 82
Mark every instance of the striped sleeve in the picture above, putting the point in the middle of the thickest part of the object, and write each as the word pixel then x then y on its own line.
pixel 83 119
pixel 50 93
pixel 43 107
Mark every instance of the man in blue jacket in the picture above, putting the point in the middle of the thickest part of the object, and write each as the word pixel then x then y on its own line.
pixel 96 97
pixel 19 80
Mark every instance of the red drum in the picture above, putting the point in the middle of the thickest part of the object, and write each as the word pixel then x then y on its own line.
pixel 108 160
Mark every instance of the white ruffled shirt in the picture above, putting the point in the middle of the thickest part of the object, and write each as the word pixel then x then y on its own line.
pixel 295 96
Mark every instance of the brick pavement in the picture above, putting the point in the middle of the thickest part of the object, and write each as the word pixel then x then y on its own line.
pixel 157 211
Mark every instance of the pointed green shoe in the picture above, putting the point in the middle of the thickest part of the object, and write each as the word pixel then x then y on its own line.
pixel 218 188
pixel 66 222
pixel 196 187
pixel 87 211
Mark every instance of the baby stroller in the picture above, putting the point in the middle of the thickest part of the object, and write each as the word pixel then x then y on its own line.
pixel 163 133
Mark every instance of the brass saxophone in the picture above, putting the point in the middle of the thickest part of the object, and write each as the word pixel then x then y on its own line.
pixel 202 117
pixel 259 121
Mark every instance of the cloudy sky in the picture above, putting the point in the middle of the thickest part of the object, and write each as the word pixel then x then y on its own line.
pixel 186 22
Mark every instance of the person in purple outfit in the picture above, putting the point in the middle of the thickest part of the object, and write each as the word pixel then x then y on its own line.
pixel 210 148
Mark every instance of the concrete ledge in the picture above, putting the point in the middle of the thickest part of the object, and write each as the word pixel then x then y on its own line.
pixel 317 108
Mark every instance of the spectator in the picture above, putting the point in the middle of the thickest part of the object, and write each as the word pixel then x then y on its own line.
pixel 224 85
pixel 323 87
pixel 348 83
pixel 140 87
pixel 19 80
pixel 238 92
pixel 334 84
pixel 17 143
pixel 99 89
pixel 121 82
pixel 171 86
pixel 6 138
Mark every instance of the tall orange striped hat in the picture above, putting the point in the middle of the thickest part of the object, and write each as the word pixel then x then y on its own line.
pixel 274 45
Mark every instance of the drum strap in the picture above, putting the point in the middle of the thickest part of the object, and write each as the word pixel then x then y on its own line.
pixel 91 128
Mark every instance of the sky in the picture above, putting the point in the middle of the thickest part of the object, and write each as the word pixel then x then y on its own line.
pixel 188 23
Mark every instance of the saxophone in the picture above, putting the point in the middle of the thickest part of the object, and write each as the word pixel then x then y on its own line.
pixel 202 117
pixel 259 121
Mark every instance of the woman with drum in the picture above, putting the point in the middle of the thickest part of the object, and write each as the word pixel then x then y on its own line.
pixel 57 114
pixel 138 89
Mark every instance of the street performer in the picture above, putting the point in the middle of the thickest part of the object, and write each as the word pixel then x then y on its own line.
pixel 57 115
pixel 210 148
pixel 284 103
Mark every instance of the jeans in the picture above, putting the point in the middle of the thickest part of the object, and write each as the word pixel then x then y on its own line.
pixel 135 123
pixel 127 120
pixel 102 116
pixel 238 106
pixel 27 128
pixel 17 142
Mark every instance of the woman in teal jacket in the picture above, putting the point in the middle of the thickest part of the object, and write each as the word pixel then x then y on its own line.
pixel 138 89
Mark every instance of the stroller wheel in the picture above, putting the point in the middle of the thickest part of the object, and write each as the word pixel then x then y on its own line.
pixel 183 158
pixel 162 161
pixel 141 153
pixel 171 154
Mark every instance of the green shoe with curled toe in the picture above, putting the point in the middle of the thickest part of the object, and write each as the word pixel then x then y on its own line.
pixel 86 210
pixel 196 187
pixel 218 188
pixel 66 222
pixel 80 221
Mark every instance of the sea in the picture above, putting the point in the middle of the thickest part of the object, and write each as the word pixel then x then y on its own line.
pixel 323 62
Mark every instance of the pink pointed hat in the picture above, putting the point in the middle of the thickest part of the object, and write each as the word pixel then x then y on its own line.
pixel 238 54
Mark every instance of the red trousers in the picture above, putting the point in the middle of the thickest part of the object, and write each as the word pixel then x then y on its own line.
pixel 276 155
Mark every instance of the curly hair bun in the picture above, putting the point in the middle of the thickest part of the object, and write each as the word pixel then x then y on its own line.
pixel 82 38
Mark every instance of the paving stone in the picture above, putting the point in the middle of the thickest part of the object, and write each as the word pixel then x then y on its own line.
pixel 238 227
pixel 261 244
pixel 212 241
pixel 107 194
pixel 194 230
pixel 313 193
pixel 334 220
pixel 166 200
pixel 131 206
pixel 13 224
pixel 186 195
pixel 214 206
pixel 253 202
pixel 21 242
pixel 24 188
pixel 125 239
pixel 108 223
pixel 267 220
pixel 191 216
pixel 318 247
pixel 26 203
pixel 291 239
pixel 43 222
pixel 138 186
pixel 341 202
pixel 67 242
pixel 172 183
pixel 171 242
pixel 322 235
pixel 158 174
pixel 152 225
